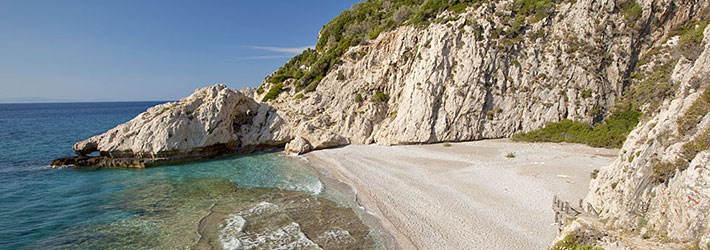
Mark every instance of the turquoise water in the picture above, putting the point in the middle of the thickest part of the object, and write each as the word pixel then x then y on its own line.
pixel 42 207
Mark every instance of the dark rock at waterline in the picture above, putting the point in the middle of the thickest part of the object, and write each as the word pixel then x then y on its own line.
pixel 98 161
pixel 129 160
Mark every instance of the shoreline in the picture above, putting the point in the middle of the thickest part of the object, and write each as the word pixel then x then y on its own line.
pixel 333 186
pixel 468 195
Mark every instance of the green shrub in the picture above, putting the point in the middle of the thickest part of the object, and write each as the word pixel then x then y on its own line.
pixel 402 14
pixel 298 96
pixel 609 134
pixel 379 97
pixel 365 20
pixel 594 174
pixel 292 69
pixel 698 144
pixel 510 155
pixel 314 83
pixel 518 24
pixel 273 92
pixel 358 98
pixel 691 34
pixel 573 45
pixel 495 33
pixel 665 170
pixel 535 9
pixel 570 243
pixel 642 223
pixel 565 130
pixel 654 88
pixel 632 11
pixel 446 144
pixel 587 93
pixel 595 111
pixel 259 90
pixel 374 33
pixel 459 7
pixel 340 76
pixel 490 114
pixel 700 108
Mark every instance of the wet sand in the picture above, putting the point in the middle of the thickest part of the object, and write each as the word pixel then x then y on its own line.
pixel 468 195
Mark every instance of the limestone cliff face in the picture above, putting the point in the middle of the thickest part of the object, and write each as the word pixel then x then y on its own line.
pixel 660 184
pixel 457 80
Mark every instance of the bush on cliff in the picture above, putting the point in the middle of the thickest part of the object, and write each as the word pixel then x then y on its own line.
pixel 609 134
pixel 273 92
pixel 365 20
pixel 570 242
pixel 379 96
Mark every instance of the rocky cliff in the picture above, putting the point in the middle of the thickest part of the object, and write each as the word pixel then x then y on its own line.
pixel 659 187
pixel 476 75
pixel 459 79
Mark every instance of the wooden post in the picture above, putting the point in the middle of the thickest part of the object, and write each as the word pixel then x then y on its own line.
pixel 554 201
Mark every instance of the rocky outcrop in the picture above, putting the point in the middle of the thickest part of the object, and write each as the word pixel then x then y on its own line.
pixel 212 121
pixel 659 187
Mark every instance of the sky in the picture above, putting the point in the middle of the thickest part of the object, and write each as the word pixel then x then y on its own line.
pixel 148 50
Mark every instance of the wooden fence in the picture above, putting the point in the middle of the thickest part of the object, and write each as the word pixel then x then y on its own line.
pixel 565 212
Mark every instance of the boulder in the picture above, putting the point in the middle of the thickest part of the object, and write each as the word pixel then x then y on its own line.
pixel 298 145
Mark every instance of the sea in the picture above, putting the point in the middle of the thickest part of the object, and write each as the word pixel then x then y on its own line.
pixel 266 200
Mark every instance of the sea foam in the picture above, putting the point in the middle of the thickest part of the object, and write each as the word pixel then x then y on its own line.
pixel 261 208
pixel 229 236
pixel 337 235
pixel 315 188
pixel 287 237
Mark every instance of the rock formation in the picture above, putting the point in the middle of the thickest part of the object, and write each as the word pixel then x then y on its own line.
pixel 659 187
pixel 212 121
pixel 458 81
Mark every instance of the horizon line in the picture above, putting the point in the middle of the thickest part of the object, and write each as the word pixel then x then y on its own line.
pixel 69 102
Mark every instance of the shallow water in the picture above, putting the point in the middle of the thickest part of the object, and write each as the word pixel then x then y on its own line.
pixel 265 200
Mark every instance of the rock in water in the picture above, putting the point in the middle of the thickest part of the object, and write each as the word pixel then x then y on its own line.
pixel 212 121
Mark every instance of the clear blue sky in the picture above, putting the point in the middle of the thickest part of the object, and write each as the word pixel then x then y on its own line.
pixel 128 50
